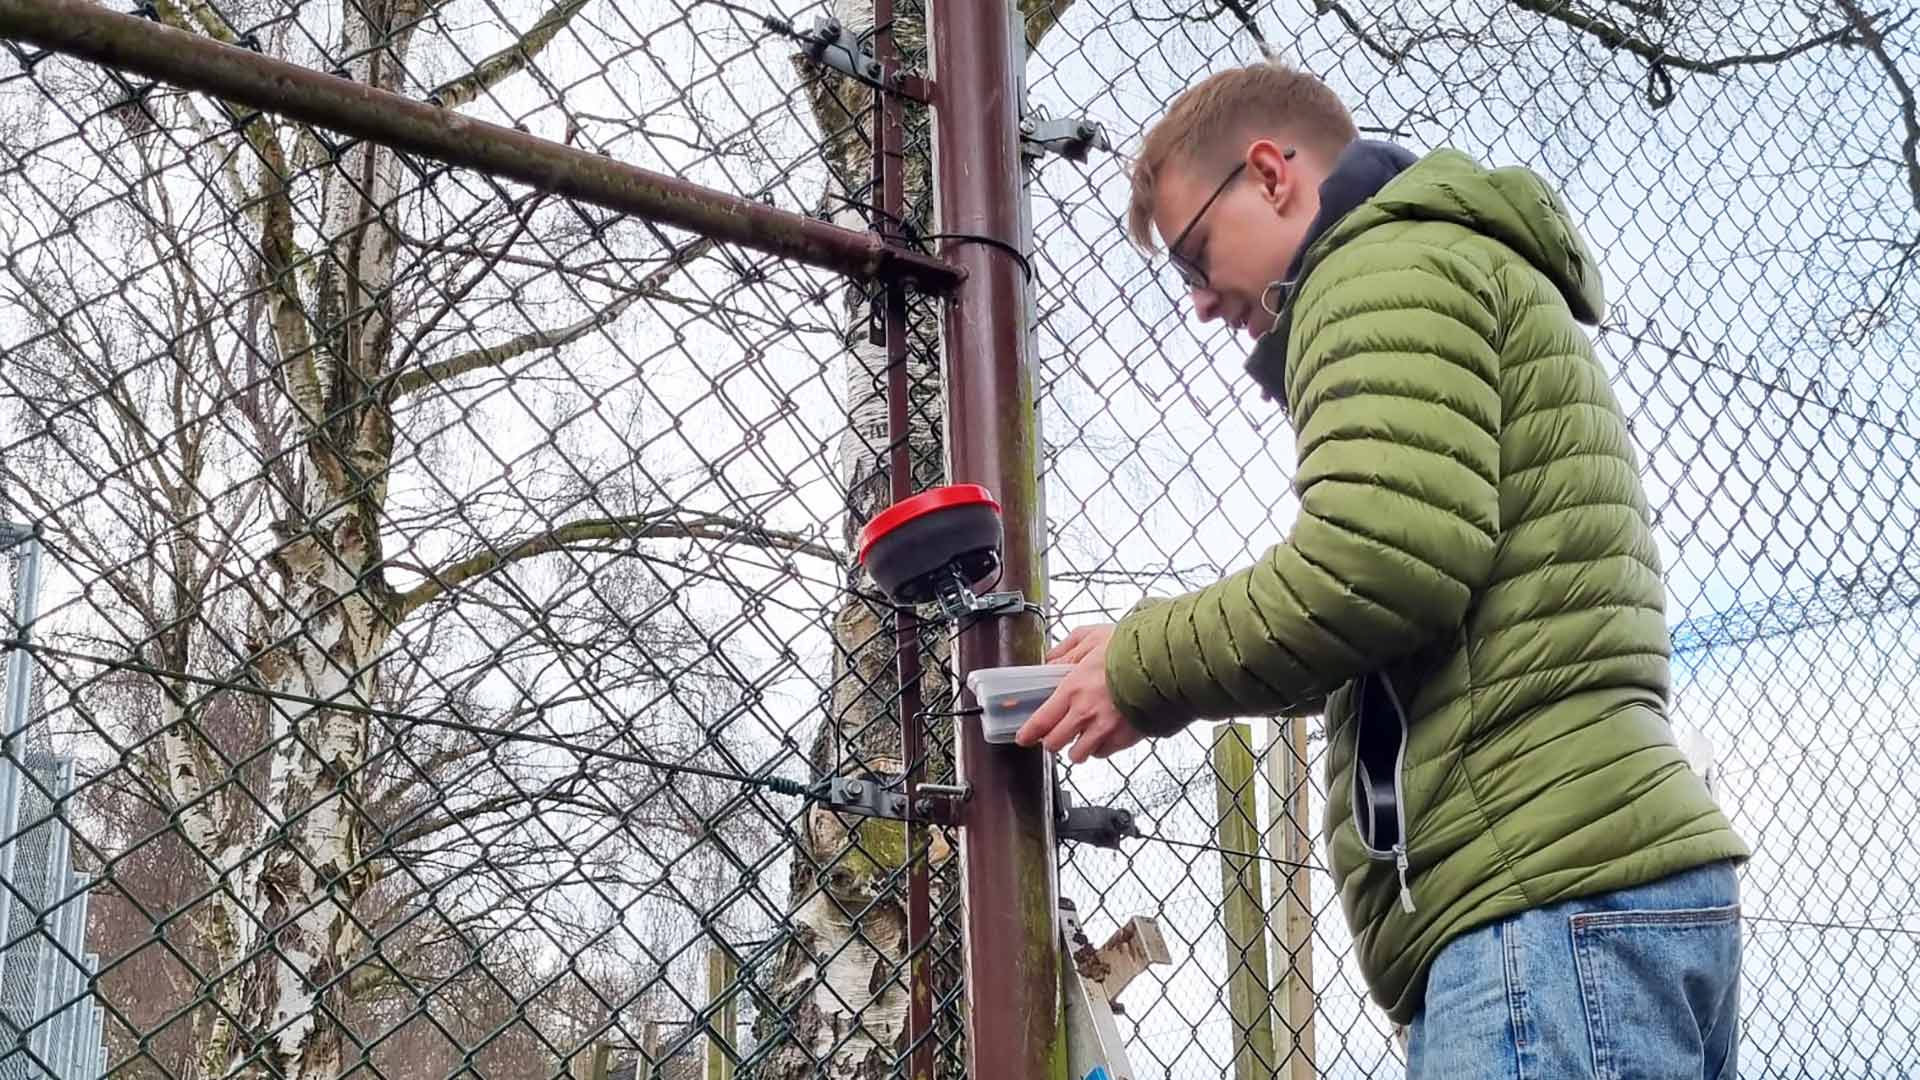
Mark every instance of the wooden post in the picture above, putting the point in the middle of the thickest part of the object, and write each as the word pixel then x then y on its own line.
pixel 1243 910
pixel 724 1024
pixel 1289 838
pixel 590 1061
pixel 645 1062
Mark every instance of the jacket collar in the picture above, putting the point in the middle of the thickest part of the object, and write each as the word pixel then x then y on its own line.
pixel 1358 174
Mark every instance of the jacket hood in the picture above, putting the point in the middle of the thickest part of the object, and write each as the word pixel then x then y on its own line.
pixel 1512 205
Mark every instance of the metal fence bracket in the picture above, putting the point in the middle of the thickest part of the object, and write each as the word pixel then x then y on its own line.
pixel 1071 137
pixel 1101 826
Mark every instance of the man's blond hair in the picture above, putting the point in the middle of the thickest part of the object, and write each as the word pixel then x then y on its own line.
pixel 1211 123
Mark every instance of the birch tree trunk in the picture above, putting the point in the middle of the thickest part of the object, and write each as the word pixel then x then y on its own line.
pixel 335 611
pixel 840 985
pixel 284 926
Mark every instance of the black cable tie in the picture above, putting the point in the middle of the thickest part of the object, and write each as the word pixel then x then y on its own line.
pixel 999 245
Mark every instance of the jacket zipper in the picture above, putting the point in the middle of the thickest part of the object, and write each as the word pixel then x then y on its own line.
pixel 1398 851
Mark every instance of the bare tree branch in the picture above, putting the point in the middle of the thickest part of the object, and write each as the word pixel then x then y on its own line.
pixel 1611 35
pixel 494 355
pixel 640 527
pixel 281 255
pixel 1242 10
pixel 259 132
pixel 511 60
pixel 522 211
pixel 1394 56
pixel 1657 9
pixel 227 153
pixel 1873 38
pixel 549 797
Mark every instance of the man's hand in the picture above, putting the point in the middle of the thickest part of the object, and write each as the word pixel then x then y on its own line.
pixel 1081 707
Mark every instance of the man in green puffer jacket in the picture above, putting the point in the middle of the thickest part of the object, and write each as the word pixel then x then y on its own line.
pixel 1537 882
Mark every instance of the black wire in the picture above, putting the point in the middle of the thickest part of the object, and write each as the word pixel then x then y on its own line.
pixel 925 715
pixel 1237 854
pixel 1000 245
pixel 999 571
pixel 777 784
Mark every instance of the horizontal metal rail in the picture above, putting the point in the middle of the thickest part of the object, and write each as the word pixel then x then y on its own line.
pixel 192 62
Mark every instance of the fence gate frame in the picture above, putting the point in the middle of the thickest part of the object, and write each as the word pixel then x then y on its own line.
pixel 975 94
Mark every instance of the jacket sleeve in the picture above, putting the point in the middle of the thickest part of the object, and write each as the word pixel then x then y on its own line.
pixel 1396 403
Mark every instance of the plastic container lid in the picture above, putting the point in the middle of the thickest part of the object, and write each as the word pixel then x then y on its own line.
pixel 1008 696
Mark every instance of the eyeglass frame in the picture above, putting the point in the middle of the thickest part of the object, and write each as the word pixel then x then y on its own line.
pixel 1191 273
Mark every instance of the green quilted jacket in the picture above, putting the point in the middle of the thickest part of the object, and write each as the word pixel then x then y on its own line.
pixel 1471 591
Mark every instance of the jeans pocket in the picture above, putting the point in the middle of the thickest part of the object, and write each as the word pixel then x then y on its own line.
pixel 1661 991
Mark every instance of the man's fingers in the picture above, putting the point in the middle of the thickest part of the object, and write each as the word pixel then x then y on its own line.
pixel 1065 731
pixel 1042 721
pixel 1100 739
pixel 1066 648
pixel 1091 745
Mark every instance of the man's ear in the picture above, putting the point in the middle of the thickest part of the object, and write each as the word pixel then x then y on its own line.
pixel 1273 166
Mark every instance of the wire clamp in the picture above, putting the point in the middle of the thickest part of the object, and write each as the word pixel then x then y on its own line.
pixel 1072 137
pixel 833 46
pixel 886 797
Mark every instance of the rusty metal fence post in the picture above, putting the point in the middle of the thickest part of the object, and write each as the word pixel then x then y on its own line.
pixel 1007 850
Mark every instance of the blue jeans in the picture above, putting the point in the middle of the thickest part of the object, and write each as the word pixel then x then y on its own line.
pixel 1640 984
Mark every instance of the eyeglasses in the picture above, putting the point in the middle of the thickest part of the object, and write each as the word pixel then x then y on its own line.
pixel 1190 271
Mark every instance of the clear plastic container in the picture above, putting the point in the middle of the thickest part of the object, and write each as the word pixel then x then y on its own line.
pixel 1008 696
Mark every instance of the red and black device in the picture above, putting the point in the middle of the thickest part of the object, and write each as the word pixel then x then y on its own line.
pixel 935 547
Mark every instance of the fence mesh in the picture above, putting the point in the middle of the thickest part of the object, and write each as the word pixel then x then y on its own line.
pixel 441 575
pixel 1747 176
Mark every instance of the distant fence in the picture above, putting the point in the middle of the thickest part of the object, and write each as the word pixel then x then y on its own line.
pixel 46 969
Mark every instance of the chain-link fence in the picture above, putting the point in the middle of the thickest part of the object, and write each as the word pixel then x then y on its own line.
pixel 448 580
pixel 1748 177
